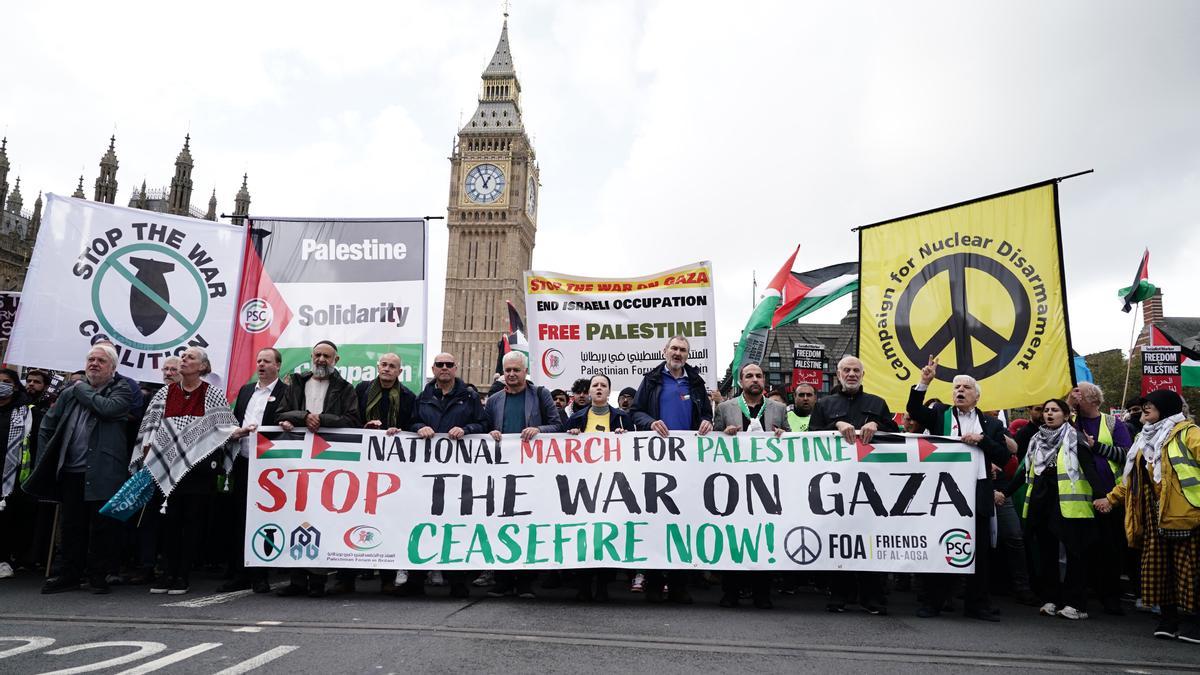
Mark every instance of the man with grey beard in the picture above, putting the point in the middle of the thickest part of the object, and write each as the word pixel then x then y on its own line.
pixel 320 398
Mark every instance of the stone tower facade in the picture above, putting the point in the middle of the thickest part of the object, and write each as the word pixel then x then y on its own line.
pixel 181 185
pixel 106 182
pixel 492 218
pixel 241 203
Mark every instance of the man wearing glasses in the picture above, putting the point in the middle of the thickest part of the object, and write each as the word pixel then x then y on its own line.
pixel 445 406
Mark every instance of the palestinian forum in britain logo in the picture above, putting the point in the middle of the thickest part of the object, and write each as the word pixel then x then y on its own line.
pixel 552 363
pixel 362 538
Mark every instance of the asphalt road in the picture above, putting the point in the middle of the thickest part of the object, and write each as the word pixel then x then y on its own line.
pixel 131 631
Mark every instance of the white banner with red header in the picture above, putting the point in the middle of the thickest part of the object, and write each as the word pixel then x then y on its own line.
pixel 353 498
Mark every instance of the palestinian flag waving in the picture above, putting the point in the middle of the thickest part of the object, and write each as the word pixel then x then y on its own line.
pixel 788 297
pixel 514 340
pixel 1141 289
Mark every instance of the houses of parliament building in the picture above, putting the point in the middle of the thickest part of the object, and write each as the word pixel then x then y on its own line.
pixel 19 226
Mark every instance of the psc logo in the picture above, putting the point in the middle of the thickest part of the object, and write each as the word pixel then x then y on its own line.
pixel 552 362
pixel 362 537
pixel 305 542
pixel 958 547
pixel 256 315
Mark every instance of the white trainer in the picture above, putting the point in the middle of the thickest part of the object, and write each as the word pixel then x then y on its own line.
pixel 1071 613
pixel 1048 609
pixel 6 570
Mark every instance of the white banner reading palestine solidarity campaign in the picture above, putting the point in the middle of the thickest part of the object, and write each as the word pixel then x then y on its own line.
pixel 151 283
pixel 359 498
pixel 581 326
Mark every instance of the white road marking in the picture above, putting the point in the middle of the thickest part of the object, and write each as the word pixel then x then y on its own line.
pixel 143 650
pixel 270 623
pixel 31 644
pixel 248 629
pixel 260 660
pixel 169 659
pixel 207 600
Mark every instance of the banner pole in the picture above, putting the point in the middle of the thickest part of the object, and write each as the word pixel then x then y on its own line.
pixel 1129 361
pixel 53 536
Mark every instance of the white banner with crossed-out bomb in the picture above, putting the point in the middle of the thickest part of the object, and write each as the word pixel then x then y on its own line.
pixel 152 284
pixel 805 501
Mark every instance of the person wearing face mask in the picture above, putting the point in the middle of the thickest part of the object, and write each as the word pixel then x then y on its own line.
pixel 1060 471
pixel 1160 490
pixel 16 508
pixel 965 421
pixel 599 417
pixel 182 443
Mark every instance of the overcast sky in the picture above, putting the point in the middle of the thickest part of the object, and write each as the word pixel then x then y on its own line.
pixel 669 131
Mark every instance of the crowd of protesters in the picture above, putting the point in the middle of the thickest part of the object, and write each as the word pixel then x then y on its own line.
pixel 1083 504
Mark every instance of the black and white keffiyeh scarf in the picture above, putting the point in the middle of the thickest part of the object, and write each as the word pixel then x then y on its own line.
pixel 19 426
pixel 176 444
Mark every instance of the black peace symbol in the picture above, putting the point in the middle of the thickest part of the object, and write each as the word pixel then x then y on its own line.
pixel 802 544
pixel 962 326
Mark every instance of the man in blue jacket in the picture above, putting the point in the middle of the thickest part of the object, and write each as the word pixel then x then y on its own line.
pixel 445 406
pixel 672 397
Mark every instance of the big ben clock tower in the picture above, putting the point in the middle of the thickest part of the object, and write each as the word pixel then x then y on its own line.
pixel 492 217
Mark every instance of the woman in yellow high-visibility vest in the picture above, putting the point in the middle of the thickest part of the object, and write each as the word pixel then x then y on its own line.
pixel 1060 470
pixel 1161 493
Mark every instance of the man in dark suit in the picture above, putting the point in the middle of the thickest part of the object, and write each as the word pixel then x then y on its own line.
pixel 965 421
pixel 256 406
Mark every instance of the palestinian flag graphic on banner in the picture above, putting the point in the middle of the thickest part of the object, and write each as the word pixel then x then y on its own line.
pixel 514 340
pixel 788 297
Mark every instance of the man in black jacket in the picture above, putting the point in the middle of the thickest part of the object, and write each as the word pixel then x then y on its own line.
pixel 965 421
pixel 257 405
pixel 445 406
pixel 672 397
pixel 385 404
pixel 316 399
pixel 853 413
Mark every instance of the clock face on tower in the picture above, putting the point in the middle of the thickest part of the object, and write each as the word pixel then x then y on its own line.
pixel 484 184
pixel 531 197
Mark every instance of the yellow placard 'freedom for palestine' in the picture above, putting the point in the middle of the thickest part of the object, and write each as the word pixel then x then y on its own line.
pixel 980 287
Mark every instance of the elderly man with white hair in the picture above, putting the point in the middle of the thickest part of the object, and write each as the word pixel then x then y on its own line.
pixel 1110 441
pixel 854 414
pixel 81 462
pixel 963 420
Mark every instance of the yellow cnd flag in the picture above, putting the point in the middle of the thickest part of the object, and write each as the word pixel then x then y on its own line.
pixel 979 286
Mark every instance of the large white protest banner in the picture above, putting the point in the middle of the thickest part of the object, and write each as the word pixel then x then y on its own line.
pixel 152 284
pixel 805 501
pixel 583 326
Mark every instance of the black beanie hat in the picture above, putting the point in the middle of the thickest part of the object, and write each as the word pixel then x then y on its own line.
pixel 1167 402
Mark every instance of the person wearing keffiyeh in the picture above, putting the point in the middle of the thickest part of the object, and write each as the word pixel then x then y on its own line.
pixel 1160 489
pixel 1060 470
pixel 182 441
pixel 16 508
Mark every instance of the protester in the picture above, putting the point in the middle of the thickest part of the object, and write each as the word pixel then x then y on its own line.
pixel 527 410
pixel 316 399
pixel 1133 414
pixel 257 404
pixel 82 462
pixel 170 369
pixel 849 410
pixel 445 406
pixel 625 398
pixel 1027 432
pixel 1110 441
pixel 580 398
pixel 1160 490
pixel 779 396
pixel 804 399
pixel 599 417
pixel 672 397
pixel 194 410
pixel 965 421
pixel 749 412
pixel 17 509
pixel 36 382
pixel 1058 509
pixel 560 398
